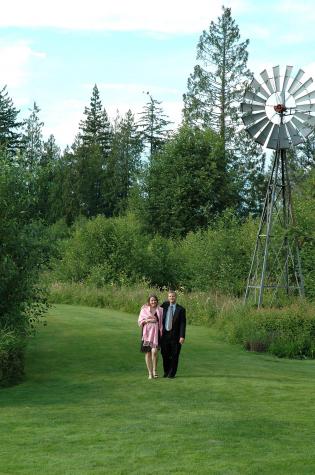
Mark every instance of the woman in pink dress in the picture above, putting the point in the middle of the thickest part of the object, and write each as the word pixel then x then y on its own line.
pixel 150 320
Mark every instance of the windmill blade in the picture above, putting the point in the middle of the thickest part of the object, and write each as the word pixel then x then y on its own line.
pixel 295 137
pixel 251 96
pixel 305 108
pixel 284 141
pixel 276 77
pixel 267 81
pixel 306 97
pixel 257 127
pixel 262 137
pixel 303 129
pixel 273 141
pixel 251 118
pixel 286 78
pixel 296 81
pixel 307 119
pixel 256 87
pixel 303 87
pixel 251 107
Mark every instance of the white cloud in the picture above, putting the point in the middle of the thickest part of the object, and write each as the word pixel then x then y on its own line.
pixel 176 16
pixel 15 59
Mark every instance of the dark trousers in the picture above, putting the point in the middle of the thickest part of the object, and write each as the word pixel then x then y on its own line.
pixel 170 349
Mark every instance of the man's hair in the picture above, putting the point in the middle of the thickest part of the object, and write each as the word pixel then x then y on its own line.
pixel 171 291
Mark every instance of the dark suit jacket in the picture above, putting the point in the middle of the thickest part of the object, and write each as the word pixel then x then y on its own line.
pixel 179 320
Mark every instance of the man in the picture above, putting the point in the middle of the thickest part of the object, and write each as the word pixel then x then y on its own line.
pixel 174 327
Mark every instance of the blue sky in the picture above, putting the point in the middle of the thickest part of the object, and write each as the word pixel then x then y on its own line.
pixel 54 52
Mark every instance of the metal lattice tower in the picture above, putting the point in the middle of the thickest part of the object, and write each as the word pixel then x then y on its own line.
pixel 277 113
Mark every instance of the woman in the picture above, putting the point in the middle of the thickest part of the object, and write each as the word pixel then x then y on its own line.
pixel 150 320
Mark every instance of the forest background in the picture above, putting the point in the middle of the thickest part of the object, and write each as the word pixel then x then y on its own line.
pixel 136 204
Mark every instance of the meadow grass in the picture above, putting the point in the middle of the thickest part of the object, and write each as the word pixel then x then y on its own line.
pixel 87 407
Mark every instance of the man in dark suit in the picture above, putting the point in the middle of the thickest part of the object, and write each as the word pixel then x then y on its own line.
pixel 173 337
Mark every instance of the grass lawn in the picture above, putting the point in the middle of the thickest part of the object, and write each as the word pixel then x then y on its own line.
pixel 87 407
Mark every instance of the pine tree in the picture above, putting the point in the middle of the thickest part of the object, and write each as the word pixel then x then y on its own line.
pixel 10 136
pixel 125 160
pixel 32 139
pixel 217 84
pixel 95 129
pixel 154 125
pixel 215 90
pixel 91 160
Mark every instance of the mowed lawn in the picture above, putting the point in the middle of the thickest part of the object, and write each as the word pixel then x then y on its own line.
pixel 87 407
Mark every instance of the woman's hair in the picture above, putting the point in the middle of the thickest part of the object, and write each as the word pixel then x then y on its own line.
pixel 152 296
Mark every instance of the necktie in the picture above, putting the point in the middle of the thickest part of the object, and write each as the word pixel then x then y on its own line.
pixel 170 318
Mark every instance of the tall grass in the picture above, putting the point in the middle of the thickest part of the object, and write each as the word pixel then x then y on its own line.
pixel 202 308
pixel 284 332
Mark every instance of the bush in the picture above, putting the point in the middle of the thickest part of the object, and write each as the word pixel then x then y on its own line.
pixel 287 332
pixel 115 251
pixel 22 253
pixel 218 258
pixel 11 357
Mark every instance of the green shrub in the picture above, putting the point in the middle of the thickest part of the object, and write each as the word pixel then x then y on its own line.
pixel 285 332
pixel 218 258
pixel 116 251
pixel 11 357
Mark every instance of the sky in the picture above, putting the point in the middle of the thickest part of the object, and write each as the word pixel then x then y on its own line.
pixel 53 52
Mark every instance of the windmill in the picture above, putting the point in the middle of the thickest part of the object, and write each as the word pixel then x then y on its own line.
pixel 278 114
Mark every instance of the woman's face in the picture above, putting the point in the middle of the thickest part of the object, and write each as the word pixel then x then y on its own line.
pixel 153 302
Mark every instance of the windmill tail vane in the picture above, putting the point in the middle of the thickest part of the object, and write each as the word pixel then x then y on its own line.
pixel 278 112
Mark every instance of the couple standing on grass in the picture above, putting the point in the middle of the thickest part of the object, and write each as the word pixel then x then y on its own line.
pixel 162 327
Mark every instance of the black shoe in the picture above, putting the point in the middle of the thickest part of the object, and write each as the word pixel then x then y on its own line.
pixel 170 376
pixel 165 375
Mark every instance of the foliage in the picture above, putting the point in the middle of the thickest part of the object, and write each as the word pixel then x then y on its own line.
pixel 22 301
pixel 215 90
pixel 115 251
pixel 186 184
pixel 95 129
pixel 304 203
pixel 10 138
pixel 124 164
pixel 153 125
pixel 218 258
pixel 217 84
pixel 12 347
pixel 286 332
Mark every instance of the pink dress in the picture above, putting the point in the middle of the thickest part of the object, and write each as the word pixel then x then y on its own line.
pixel 151 331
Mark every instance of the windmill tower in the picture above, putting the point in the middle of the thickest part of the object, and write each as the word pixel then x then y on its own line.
pixel 277 113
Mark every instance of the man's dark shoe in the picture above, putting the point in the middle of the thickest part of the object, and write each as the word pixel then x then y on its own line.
pixel 165 375
pixel 170 376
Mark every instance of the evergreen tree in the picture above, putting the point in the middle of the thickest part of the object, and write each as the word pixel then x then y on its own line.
pixel 125 160
pixel 33 139
pixel 215 90
pixel 47 180
pixel 217 85
pixel 95 129
pixel 9 125
pixel 90 163
pixel 154 125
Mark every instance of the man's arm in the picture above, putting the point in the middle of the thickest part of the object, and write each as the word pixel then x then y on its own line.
pixel 182 327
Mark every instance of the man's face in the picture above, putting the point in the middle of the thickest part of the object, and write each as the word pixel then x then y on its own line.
pixel 171 297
